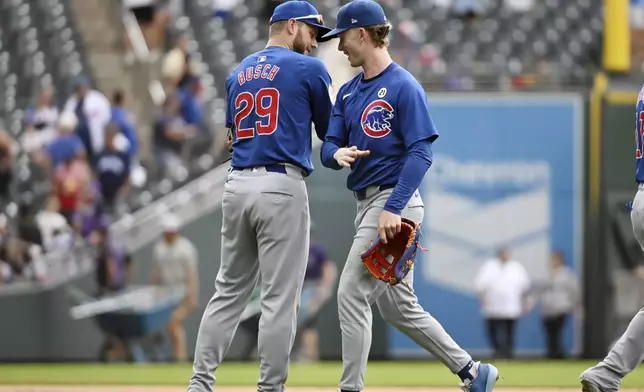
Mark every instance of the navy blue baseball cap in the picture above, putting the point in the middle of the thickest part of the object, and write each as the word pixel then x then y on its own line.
pixel 304 12
pixel 358 13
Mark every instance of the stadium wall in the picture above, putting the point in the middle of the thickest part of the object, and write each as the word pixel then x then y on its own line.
pixel 508 173
pixel 518 159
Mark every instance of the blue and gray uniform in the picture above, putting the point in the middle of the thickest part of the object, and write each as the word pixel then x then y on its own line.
pixel 274 96
pixel 387 115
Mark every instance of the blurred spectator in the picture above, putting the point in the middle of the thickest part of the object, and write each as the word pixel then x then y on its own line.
pixel 6 272
pixel 10 266
pixel 190 103
pixel 442 3
pixel 320 278
pixel 469 9
pixel 175 264
pixel 40 123
pixel 6 161
pixel 520 5
pixel 559 298
pixel 67 145
pixel 53 226
pixel 176 64
pixel 89 216
pixel 93 112
pixel 113 274
pixel 20 259
pixel 28 229
pixel 222 8
pixel 113 264
pixel 502 286
pixel 192 113
pixel 319 282
pixel 637 14
pixel 122 119
pixel 170 134
pixel 112 170
pixel 27 258
pixel 71 180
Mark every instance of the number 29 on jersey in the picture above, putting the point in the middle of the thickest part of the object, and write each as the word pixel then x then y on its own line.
pixel 263 106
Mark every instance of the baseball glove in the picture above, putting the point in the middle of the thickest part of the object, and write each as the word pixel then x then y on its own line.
pixel 392 261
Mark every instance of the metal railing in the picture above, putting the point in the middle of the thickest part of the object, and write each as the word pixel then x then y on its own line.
pixel 189 202
pixel 144 75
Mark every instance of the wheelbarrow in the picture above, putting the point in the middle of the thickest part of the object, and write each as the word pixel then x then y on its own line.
pixel 131 316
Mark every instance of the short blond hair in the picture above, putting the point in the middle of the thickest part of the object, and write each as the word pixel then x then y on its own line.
pixel 379 34
pixel 276 28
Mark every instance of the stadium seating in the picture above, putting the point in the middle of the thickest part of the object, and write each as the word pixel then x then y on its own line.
pixel 559 41
pixel 39 45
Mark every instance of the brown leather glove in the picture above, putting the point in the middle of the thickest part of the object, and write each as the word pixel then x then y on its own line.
pixel 392 261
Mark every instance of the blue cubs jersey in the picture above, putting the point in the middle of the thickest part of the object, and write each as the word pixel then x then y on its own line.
pixel 273 97
pixel 639 138
pixel 385 115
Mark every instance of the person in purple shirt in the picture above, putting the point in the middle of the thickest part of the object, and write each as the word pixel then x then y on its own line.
pixel 113 275
pixel 89 219
pixel 113 263
pixel 90 215
pixel 319 281
pixel 320 278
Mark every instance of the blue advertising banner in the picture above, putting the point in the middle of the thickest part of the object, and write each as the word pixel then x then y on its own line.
pixel 507 173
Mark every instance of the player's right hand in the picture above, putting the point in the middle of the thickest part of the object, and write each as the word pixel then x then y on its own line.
pixel 345 156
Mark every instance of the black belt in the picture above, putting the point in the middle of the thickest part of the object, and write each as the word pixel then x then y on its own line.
pixel 275 168
pixel 361 194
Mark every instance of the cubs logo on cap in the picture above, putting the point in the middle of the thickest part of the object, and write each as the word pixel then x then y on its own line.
pixel 304 12
pixel 358 13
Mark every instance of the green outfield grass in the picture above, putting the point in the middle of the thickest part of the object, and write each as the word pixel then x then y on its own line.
pixel 414 374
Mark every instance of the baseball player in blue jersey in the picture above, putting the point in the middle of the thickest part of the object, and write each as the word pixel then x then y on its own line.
pixel 381 129
pixel 273 97
pixel 628 352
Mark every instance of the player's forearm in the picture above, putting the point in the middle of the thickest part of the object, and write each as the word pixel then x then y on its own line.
pixel 320 131
pixel 326 155
pixel 418 162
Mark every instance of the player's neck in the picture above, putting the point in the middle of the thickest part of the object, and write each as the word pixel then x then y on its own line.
pixel 375 64
pixel 278 41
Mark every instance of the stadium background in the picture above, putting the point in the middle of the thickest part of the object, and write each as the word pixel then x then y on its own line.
pixel 549 88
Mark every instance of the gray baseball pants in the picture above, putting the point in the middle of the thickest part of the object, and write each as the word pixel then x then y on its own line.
pixel 265 227
pixel 398 305
pixel 628 352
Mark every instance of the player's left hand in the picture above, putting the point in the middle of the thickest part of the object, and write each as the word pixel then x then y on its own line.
pixel 388 226
pixel 229 144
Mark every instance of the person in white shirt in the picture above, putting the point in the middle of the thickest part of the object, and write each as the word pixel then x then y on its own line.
pixel 221 8
pixel 40 123
pixel 502 286
pixel 94 111
pixel 175 264
pixel 55 230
